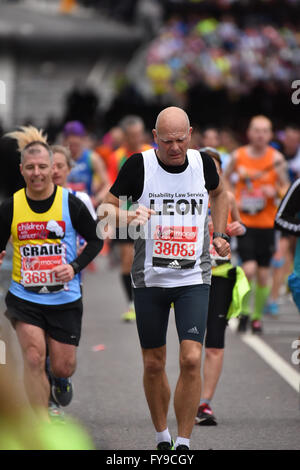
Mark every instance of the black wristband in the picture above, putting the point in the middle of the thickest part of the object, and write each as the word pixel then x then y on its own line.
pixel 75 267
pixel 221 235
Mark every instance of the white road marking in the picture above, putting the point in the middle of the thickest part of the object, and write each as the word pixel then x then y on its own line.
pixel 281 366
pixel 274 360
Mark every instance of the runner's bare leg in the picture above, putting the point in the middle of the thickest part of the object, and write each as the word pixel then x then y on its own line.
pixel 33 345
pixel 188 389
pixel 157 389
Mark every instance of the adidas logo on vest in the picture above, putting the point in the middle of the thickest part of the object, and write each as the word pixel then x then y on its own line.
pixel 44 290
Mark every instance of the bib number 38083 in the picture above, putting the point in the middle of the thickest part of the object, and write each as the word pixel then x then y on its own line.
pixel 174 247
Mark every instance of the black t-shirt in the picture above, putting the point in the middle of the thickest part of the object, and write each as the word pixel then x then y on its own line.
pixel 130 180
pixel 81 219
pixel 287 218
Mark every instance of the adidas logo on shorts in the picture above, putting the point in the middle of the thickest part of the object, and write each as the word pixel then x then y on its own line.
pixel 174 264
pixel 194 331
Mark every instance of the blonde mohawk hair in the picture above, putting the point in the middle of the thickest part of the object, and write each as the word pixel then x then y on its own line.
pixel 28 135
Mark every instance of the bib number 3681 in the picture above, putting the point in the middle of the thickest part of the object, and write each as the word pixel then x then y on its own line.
pixel 36 278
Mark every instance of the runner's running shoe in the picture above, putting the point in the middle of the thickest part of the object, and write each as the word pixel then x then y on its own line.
pixel 205 416
pixel 243 323
pixel 62 390
pixel 182 447
pixel 129 316
pixel 56 415
pixel 272 308
pixel 165 445
pixel 256 326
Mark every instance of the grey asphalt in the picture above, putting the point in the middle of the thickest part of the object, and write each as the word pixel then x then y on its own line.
pixel 256 409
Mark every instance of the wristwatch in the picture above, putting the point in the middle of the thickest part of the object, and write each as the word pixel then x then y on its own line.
pixel 221 235
pixel 75 267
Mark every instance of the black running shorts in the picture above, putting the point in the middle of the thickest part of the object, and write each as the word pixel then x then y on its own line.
pixel 60 322
pixel 258 244
pixel 220 298
pixel 152 307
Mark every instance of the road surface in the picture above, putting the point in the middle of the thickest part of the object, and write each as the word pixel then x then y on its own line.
pixel 257 406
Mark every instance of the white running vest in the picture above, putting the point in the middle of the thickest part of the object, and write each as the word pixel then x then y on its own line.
pixel 175 249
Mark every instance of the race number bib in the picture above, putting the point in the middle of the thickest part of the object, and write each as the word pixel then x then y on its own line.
pixel 37 263
pixel 252 201
pixel 174 247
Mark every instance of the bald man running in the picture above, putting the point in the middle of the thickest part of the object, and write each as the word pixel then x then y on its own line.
pixel 260 177
pixel 171 263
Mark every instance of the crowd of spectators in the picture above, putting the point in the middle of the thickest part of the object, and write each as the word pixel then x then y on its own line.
pixel 221 54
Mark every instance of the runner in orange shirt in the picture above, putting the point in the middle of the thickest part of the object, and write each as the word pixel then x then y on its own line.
pixel 111 141
pixel 258 173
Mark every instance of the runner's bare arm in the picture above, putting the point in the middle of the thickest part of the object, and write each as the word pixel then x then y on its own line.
pixel 101 172
pixel 282 183
pixel 235 228
pixel 2 254
pixel 281 170
pixel 229 170
pixel 116 216
pixel 6 216
pixel 233 208
pixel 219 205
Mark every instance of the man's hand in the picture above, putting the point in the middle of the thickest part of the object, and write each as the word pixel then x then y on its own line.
pixel 235 229
pixel 2 254
pixel 141 215
pixel 64 273
pixel 222 246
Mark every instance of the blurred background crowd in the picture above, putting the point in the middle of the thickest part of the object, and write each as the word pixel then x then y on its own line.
pixel 97 61
pixel 94 62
